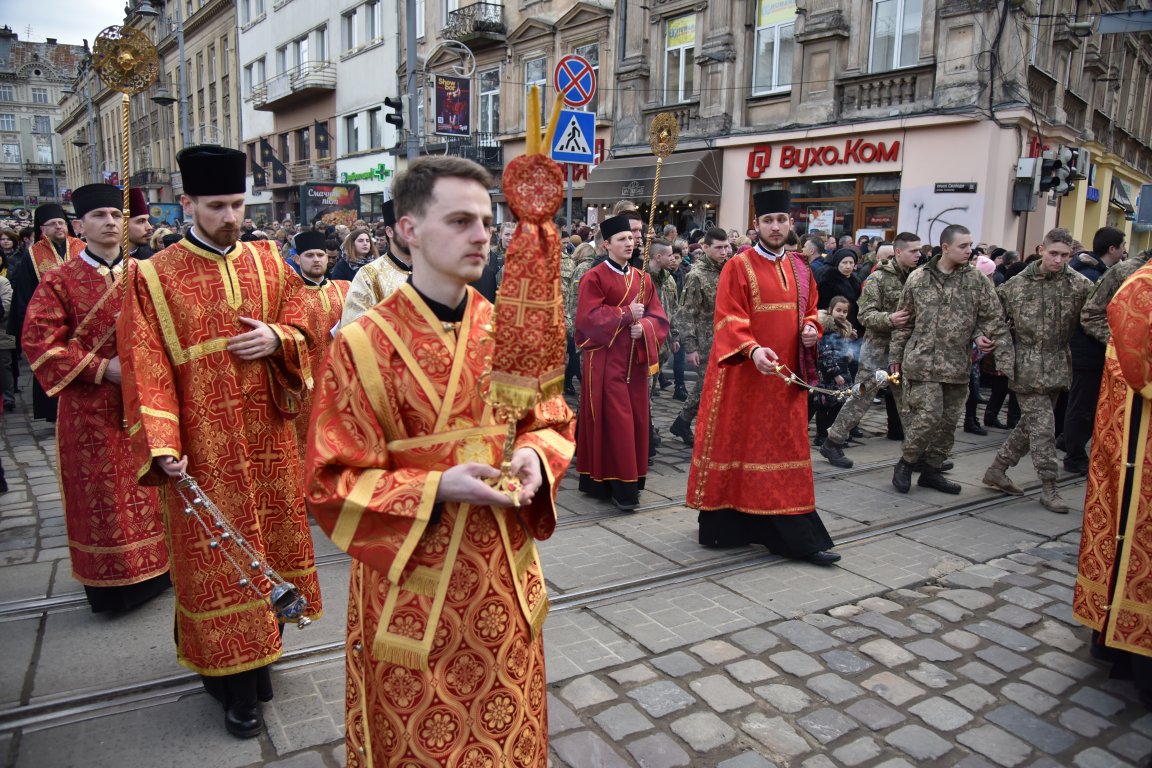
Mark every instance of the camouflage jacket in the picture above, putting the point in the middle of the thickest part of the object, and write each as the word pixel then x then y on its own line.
pixel 698 306
pixel 946 314
pixel 878 300
pixel 666 289
pixel 1043 310
pixel 571 287
pixel 1094 315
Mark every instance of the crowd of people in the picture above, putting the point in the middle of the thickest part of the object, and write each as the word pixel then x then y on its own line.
pixel 339 371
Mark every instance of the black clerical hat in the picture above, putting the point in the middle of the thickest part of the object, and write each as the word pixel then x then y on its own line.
pixel 772 201
pixel 615 225
pixel 46 213
pixel 137 203
pixel 309 240
pixel 92 196
pixel 388 214
pixel 207 169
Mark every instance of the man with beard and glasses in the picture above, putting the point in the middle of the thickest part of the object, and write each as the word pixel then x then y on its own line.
pixel 214 348
pixel 751 473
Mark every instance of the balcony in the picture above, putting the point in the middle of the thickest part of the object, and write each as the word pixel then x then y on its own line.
pixel 30 167
pixel 483 148
pixel 304 171
pixel 480 25
pixel 686 114
pixel 150 177
pixel 1041 90
pixel 888 92
pixel 297 85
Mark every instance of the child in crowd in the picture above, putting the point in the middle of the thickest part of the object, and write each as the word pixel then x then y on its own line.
pixel 837 362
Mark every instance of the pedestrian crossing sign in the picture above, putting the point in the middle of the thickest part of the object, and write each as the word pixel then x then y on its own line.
pixel 575 135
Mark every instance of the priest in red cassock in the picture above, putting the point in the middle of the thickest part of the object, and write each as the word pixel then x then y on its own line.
pixel 324 299
pixel 751 473
pixel 619 330
pixel 1113 592
pixel 115 529
pixel 213 342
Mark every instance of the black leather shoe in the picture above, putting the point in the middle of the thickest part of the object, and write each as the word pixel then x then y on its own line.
pixel 902 476
pixel 933 479
pixel 243 721
pixel 683 430
pixel 995 424
pixel 897 436
pixel 834 452
pixel 1076 467
pixel 973 427
pixel 922 466
pixel 855 433
pixel 822 558
pixel 625 506
pixel 569 389
pixel 680 394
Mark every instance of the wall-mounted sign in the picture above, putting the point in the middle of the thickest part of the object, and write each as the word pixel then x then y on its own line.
pixel 802 158
pixel 955 186
pixel 379 173
pixel 453 106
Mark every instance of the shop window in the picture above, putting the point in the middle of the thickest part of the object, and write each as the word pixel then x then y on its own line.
pixel 488 104
pixel 775 29
pixel 895 34
pixel 679 58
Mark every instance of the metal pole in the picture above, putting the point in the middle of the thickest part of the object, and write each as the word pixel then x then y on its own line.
pixel 93 142
pixel 410 64
pixel 185 136
pixel 52 158
pixel 571 172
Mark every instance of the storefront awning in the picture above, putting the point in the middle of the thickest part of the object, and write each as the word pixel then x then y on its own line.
pixel 684 176
pixel 1122 199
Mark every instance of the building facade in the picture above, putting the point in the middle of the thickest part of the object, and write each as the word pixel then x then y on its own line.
pixel 33 78
pixel 195 100
pixel 314 79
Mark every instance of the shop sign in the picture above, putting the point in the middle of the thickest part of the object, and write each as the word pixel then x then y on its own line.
pixel 956 186
pixel 380 173
pixel 1093 195
pixel 634 189
pixel 800 159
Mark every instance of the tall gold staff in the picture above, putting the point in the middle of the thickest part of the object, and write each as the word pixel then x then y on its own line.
pixel 127 62
pixel 662 137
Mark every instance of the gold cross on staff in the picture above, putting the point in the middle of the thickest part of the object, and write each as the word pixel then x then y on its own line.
pixel 521 301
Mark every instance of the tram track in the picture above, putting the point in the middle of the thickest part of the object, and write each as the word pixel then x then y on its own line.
pixel 76 706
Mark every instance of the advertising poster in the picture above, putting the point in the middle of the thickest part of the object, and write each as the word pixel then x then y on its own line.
pixel 453 106
pixel 822 220
pixel 330 204
pixel 165 214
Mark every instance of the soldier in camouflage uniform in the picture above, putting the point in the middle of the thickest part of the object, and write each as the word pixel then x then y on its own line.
pixel 1043 305
pixel 879 315
pixel 950 305
pixel 695 321
pixel 1094 315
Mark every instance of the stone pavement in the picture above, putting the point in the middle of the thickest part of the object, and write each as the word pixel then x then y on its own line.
pixel 947 644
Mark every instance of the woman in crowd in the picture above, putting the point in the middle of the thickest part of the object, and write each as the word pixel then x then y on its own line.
pixel 358 249
pixel 840 280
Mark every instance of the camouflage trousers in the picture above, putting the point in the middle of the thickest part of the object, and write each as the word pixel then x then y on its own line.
pixel 692 404
pixel 1036 431
pixel 855 407
pixel 931 411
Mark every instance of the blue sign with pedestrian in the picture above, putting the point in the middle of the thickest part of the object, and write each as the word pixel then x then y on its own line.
pixel 575 137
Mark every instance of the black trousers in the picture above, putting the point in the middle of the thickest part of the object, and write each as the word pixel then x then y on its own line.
pixel 999 392
pixel 572 363
pixel 1080 415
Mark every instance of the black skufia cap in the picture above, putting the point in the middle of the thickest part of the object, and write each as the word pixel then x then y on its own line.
pixel 92 196
pixel 615 225
pixel 388 214
pixel 772 201
pixel 309 240
pixel 45 213
pixel 207 169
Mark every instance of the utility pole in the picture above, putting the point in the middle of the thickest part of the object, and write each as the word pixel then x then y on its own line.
pixel 410 64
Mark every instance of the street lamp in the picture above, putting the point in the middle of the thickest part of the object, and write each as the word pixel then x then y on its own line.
pixel 163 96
pixel 146 9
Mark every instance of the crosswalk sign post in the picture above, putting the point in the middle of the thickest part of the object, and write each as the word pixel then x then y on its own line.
pixel 575 136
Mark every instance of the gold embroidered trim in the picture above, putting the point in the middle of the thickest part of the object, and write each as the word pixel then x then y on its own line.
pixel 776 467
pixel 88 548
pixel 217 613
pixel 159 414
pixel 423 581
pixel 355 503
pixel 406 355
pixel 367 367
pixel 419 525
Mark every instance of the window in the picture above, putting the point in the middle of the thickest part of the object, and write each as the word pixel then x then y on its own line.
pixel 421 112
pixel 348 32
pixel 245 11
pixel 300 51
pixel 591 52
pixel 248 81
pixel 39 95
pixel 375 128
pixel 211 63
pixel 351 135
pixel 775 29
pixel 320 48
pixel 7 122
pixel 323 141
pixel 419 18
pixel 449 7
pixel 225 55
pixel 200 70
pixel 41 124
pixel 895 34
pixel 43 153
pixel 47 186
pixel 680 64
pixel 285 152
pixel 7 93
pixel 303 145
pixel 11 153
pixel 14 189
pixel 488 103
pixel 536 73
pixel 373 22
pixel 282 59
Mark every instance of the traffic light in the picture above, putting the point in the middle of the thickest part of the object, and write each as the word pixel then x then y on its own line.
pixel 396 116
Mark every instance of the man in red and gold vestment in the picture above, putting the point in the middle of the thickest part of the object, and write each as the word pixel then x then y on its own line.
pixel 445 654
pixel 55 246
pixel 751 473
pixel 619 332
pixel 1114 583
pixel 213 345
pixel 379 279
pixel 325 301
pixel 115 530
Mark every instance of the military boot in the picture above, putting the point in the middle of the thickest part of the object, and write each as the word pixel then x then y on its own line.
pixel 902 476
pixel 932 478
pixel 997 477
pixel 683 430
pixel 834 452
pixel 1050 498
